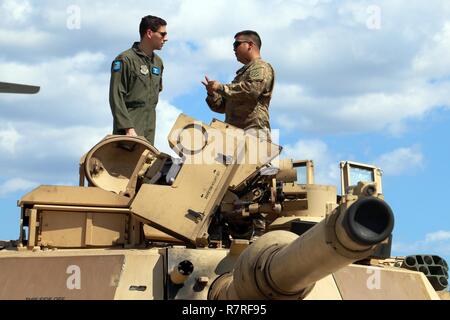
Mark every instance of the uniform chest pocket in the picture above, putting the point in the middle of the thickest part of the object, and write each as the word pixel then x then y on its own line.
pixel 139 89
pixel 140 79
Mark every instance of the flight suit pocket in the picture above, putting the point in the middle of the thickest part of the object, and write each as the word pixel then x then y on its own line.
pixel 139 90
pixel 135 104
pixel 141 80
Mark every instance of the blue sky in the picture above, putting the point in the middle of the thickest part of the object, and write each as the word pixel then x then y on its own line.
pixel 367 81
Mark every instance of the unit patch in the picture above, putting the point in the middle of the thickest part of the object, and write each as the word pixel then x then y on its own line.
pixel 257 74
pixel 117 65
pixel 156 71
pixel 144 70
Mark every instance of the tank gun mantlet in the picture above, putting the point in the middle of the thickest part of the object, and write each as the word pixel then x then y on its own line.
pixel 349 234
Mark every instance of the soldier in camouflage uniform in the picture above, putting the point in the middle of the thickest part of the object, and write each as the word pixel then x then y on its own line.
pixel 245 101
pixel 136 81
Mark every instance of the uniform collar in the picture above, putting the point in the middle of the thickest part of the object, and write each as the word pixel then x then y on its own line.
pixel 241 70
pixel 141 53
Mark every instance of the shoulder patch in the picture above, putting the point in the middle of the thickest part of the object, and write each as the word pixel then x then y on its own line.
pixel 257 73
pixel 116 66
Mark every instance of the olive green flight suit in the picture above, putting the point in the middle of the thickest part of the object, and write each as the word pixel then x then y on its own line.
pixel 136 81
pixel 245 101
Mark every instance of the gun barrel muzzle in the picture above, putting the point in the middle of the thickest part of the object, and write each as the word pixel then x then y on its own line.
pixel 369 221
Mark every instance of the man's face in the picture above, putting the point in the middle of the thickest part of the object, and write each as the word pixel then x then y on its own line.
pixel 241 47
pixel 159 37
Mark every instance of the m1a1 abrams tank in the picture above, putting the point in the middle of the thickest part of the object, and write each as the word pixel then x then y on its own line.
pixel 226 220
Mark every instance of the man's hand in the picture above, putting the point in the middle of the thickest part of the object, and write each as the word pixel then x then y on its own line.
pixel 131 132
pixel 211 85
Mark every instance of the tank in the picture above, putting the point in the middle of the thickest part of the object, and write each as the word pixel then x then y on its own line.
pixel 226 220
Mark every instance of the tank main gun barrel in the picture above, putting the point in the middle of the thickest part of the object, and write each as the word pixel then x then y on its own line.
pixel 281 265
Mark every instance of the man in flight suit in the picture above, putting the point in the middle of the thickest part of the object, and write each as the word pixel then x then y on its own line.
pixel 136 81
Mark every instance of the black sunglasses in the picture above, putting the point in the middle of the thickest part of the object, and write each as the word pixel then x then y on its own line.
pixel 237 43
pixel 163 34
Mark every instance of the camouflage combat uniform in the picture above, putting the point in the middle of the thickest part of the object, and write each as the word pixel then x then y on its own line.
pixel 136 81
pixel 245 101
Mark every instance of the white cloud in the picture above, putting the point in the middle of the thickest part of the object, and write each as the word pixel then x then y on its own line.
pixel 218 49
pixel 8 139
pixel 74 91
pixel 296 107
pixel 15 11
pixel 71 141
pixel 437 236
pixel 434 243
pixel 55 73
pixel 326 163
pixel 16 185
pixel 225 18
pixel 432 60
pixel 347 78
pixel 401 161
pixel 166 115
pixel 48 153
pixel 39 38
pixel 397 162
pixel 334 74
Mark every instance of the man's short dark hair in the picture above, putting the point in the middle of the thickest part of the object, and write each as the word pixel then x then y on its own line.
pixel 252 35
pixel 150 22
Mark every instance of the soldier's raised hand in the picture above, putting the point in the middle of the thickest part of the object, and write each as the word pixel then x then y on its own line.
pixel 211 85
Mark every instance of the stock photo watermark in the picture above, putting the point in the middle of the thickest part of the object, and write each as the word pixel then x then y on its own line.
pixel 74 280
pixel 73 21
pixel 374 280
pixel 373 21
pixel 197 144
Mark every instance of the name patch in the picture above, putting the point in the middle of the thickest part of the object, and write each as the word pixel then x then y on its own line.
pixel 156 71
